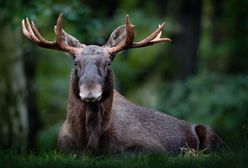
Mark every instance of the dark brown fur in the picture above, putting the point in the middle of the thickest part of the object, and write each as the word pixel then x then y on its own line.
pixel 88 120
pixel 115 125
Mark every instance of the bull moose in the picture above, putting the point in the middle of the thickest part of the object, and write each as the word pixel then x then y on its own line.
pixel 99 119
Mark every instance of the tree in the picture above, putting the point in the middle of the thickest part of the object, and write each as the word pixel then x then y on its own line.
pixel 14 114
pixel 186 41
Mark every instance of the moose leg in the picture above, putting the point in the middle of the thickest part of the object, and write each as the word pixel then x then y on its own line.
pixel 208 139
pixel 67 141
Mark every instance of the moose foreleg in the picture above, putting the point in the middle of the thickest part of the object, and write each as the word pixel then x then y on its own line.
pixel 67 141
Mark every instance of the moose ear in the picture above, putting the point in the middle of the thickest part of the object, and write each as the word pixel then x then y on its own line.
pixel 118 36
pixel 70 40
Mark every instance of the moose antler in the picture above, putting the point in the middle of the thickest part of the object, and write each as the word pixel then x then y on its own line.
pixel 32 33
pixel 153 38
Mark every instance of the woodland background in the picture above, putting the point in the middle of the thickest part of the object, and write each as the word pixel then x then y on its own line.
pixel 200 77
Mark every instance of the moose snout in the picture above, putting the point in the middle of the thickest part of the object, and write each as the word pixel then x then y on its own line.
pixel 90 94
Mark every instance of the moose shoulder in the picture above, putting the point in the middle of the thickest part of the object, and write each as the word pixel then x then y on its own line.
pixel 99 119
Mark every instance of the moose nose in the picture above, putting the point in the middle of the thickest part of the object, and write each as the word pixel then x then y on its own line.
pixel 90 98
pixel 92 94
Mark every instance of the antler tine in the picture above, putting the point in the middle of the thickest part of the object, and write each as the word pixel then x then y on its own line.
pixel 153 38
pixel 30 31
pixel 24 30
pixel 59 29
pixel 39 36
pixel 159 39
pixel 130 32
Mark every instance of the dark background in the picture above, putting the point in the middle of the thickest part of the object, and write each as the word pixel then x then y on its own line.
pixel 200 77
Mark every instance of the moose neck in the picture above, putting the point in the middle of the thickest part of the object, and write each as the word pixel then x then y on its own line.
pixel 90 119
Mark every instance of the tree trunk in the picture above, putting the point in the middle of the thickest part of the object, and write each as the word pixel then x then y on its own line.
pixel 13 107
pixel 185 43
pixel 30 68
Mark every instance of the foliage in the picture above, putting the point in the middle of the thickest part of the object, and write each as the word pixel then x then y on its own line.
pixel 215 99
pixel 224 41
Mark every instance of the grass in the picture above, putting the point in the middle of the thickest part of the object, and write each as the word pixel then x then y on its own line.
pixel 9 159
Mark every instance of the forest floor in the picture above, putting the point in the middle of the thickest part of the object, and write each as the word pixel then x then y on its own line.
pixel 238 159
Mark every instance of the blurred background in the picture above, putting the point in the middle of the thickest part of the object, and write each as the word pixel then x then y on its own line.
pixel 201 77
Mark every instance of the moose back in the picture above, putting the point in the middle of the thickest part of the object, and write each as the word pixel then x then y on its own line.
pixel 99 119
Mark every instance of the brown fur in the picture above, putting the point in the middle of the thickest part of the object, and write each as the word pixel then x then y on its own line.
pixel 116 125
pixel 208 139
pixel 87 121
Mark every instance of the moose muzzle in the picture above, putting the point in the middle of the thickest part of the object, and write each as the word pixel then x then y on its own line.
pixel 90 84
pixel 90 95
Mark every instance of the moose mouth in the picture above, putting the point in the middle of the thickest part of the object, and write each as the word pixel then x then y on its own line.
pixel 91 99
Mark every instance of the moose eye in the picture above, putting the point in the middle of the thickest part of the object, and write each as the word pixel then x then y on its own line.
pixel 75 63
pixel 77 66
pixel 108 64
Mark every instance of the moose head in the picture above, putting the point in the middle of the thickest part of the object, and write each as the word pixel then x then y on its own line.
pixel 92 62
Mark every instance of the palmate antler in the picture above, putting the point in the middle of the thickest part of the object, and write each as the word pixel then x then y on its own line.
pixel 153 38
pixel 32 33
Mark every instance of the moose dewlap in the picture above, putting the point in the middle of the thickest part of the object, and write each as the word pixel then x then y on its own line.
pixel 99 119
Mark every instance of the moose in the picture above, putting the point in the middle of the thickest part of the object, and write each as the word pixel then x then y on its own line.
pixel 100 120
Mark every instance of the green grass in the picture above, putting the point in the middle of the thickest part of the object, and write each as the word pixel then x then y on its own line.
pixel 54 159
